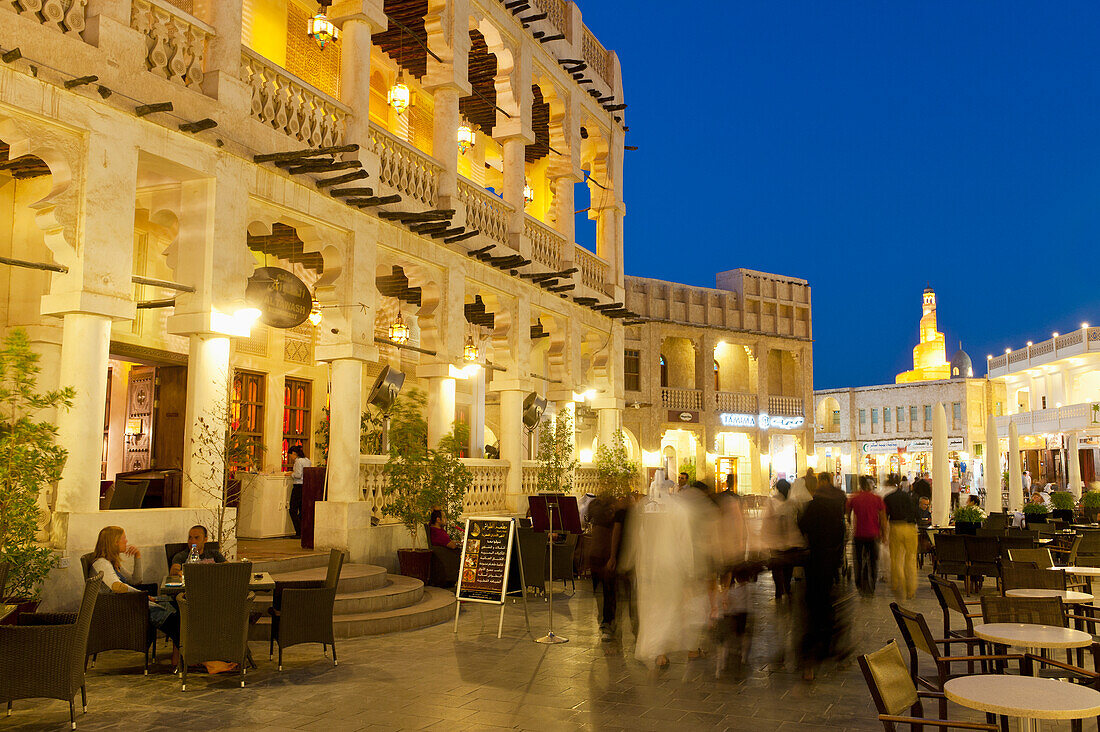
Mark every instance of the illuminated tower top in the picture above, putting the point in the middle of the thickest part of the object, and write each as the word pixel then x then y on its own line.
pixel 930 354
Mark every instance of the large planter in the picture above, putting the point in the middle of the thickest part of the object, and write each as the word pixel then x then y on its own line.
pixel 967 528
pixel 1063 514
pixel 1035 518
pixel 1091 513
pixel 416 563
pixel 22 606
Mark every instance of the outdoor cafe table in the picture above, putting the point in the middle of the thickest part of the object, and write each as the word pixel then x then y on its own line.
pixel 1032 637
pixel 257 582
pixel 1027 697
pixel 1093 573
pixel 1070 597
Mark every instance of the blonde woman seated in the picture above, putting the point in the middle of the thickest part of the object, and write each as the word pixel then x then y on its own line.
pixel 109 548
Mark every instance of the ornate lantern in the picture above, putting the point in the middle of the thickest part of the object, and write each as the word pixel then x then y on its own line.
pixel 399 332
pixel 528 193
pixel 400 98
pixel 466 138
pixel 470 351
pixel 315 314
pixel 321 29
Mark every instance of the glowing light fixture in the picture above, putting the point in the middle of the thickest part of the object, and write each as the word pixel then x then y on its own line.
pixel 1029 343
pixel 248 315
pixel 1084 325
pixel 315 314
pixel 466 138
pixel 1008 350
pixel 528 193
pixel 400 98
pixel 470 350
pixel 399 332
pixel 1055 334
pixel 321 29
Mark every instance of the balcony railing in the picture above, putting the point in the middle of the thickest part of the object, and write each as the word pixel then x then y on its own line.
pixel 736 401
pixel 1062 346
pixel 1059 419
pixel 681 398
pixel 175 42
pixel 782 406
pixel 547 245
pixel 291 105
pixel 486 495
pixel 556 13
pixel 403 167
pixel 484 211
pixel 593 270
pixel 584 480
pixel 65 16
pixel 595 55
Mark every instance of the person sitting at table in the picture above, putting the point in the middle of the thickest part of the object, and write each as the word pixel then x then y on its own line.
pixel 196 537
pixel 109 548
pixel 924 512
pixel 445 552
pixel 973 501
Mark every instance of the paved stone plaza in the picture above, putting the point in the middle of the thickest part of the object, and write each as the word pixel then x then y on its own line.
pixel 432 679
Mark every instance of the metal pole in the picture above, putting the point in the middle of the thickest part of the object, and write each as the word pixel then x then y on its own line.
pixel 550 638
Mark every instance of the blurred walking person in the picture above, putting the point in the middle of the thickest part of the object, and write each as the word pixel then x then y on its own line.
pixel 901 511
pixel 781 538
pixel 822 523
pixel 867 512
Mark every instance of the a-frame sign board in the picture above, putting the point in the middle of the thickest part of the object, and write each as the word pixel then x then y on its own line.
pixel 491 567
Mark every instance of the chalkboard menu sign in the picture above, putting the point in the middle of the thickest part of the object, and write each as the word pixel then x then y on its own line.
pixel 487 552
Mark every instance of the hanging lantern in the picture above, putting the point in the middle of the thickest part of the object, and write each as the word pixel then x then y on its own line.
pixel 321 29
pixel 466 138
pixel 400 98
pixel 469 351
pixel 399 332
pixel 315 314
pixel 528 193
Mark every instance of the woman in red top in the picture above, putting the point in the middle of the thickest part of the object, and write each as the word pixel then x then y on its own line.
pixel 867 511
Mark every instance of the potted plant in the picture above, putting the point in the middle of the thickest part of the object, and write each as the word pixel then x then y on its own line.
pixel 1063 503
pixel 968 519
pixel 1035 513
pixel 420 479
pixel 30 460
pixel 555 456
pixel 1090 504
pixel 615 473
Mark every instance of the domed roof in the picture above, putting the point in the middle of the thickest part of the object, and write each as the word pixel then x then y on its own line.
pixel 961 365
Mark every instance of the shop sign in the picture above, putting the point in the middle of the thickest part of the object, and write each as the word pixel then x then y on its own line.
pixel 675 416
pixel 731 419
pixel 283 299
pixel 883 447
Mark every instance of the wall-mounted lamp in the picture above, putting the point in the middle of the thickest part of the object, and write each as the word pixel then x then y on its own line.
pixel 399 332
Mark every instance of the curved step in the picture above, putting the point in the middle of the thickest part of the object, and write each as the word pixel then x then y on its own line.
pixel 436 606
pixel 353 577
pixel 398 592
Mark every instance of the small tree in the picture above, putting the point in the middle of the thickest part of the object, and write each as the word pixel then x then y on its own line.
pixel 688 466
pixel 29 461
pixel 219 451
pixel 555 455
pixel 420 479
pixel 615 472
pixel 370 434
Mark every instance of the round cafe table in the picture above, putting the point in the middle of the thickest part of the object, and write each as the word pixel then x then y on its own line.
pixel 1032 637
pixel 1070 597
pixel 1093 574
pixel 1026 697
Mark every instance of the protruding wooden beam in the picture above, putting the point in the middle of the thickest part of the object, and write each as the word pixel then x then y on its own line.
pixel 562 288
pixel 11 56
pixel 347 178
pixel 607 306
pixel 306 153
pixel 80 81
pixel 147 109
pixel 198 125
pixel 374 201
pixel 461 237
pixel 448 232
pixel 353 191
pixel 324 166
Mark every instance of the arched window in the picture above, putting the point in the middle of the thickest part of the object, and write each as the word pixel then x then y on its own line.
pixel 716 386
pixel 664 372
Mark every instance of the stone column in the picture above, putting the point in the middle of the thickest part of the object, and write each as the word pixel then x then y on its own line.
pixel 223 50
pixel 346 396
pixel 992 465
pixel 1073 467
pixel 1015 476
pixel 445 123
pixel 941 469
pixel 477 416
pixel 209 384
pixel 441 408
pixel 512 437
pixel 609 420
pixel 515 176
pixel 358 20
pixel 84 352
pixel 759 472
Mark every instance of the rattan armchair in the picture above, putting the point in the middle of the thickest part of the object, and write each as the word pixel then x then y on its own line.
pixel 301 611
pixel 1014 577
pixel 951 558
pixel 43 657
pixel 214 615
pixel 120 622
pixel 894 692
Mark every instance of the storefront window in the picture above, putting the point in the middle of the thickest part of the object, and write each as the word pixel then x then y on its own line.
pixel 956 412
pixel 912 414
pixel 247 414
pixel 927 412
pixel 297 396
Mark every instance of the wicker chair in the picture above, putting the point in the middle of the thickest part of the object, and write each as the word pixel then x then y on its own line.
pixel 214 615
pixel 951 600
pixel 983 558
pixel 1088 552
pixel 996 522
pixel 951 558
pixel 171 550
pixel 918 639
pixel 1041 557
pixel 532 548
pixel 43 657
pixel 893 692
pixel 1014 577
pixel 301 611
pixel 563 562
pixel 1034 610
pixel 120 621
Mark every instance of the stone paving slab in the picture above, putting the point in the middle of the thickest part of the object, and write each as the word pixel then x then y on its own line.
pixel 433 679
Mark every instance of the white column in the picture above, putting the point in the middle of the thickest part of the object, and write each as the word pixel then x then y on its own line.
pixel 569 407
pixel 223 53
pixel 208 393
pixel 992 465
pixel 515 174
pixel 1074 468
pixel 756 464
pixel 477 416
pixel 1015 477
pixel 608 422
pixel 343 439
pixel 941 469
pixel 445 120
pixel 85 346
pixel 512 437
pixel 441 408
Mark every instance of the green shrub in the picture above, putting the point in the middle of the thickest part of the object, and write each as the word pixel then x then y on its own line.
pixel 969 515
pixel 1091 499
pixel 1035 509
pixel 1062 500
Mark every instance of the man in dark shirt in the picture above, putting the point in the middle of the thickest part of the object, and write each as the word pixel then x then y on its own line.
pixel 822 523
pixel 901 510
pixel 607 514
pixel 196 537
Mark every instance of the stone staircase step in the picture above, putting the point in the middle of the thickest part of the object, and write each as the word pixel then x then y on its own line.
pixel 436 606
pixel 398 592
pixel 290 564
pixel 353 577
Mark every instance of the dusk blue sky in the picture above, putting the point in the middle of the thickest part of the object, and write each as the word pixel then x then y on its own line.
pixel 870 148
